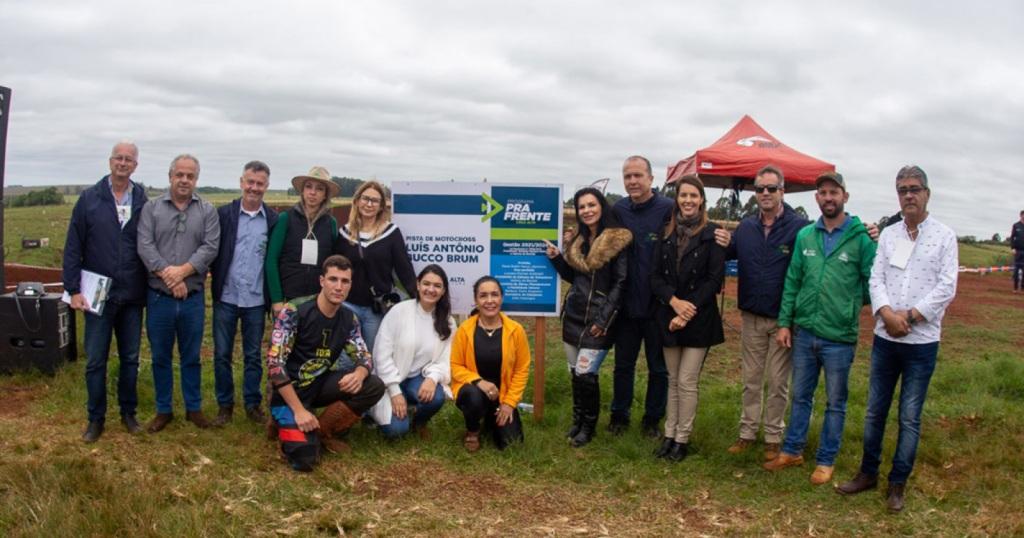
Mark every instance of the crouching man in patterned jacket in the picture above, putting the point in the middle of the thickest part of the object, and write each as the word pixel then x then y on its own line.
pixel 318 358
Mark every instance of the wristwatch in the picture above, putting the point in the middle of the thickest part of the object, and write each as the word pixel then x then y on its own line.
pixel 910 317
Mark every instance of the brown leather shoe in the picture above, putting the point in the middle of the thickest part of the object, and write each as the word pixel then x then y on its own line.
pixel 861 482
pixel 894 498
pixel 784 460
pixel 772 451
pixel 159 422
pixel 471 440
pixel 199 419
pixel 821 475
pixel 224 415
pixel 741 445
pixel 336 418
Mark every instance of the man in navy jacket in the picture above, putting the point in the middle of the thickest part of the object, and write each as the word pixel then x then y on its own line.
pixel 763 246
pixel 644 212
pixel 240 293
pixel 101 239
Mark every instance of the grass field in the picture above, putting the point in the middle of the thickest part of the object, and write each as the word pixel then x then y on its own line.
pixel 230 482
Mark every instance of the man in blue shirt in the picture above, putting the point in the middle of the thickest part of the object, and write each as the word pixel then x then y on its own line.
pixel 239 293
pixel 101 239
pixel 644 212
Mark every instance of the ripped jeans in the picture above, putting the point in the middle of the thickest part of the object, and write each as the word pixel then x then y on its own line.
pixel 584 360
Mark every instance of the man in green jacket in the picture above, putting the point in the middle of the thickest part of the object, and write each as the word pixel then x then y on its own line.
pixel 826 286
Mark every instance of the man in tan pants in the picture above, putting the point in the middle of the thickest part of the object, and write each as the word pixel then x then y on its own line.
pixel 763 245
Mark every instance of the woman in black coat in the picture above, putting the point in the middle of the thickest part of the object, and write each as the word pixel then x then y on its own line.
pixel 688 271
pixel 595 265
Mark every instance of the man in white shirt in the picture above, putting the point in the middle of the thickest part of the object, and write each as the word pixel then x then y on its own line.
pixel 913 280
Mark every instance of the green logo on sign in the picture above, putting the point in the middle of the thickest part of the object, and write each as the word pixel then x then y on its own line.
pixel 490 207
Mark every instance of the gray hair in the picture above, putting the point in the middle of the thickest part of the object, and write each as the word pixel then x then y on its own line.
pixel 771 169
pixel 257 166
pixel 170 171
pixel 913 171
pixel 650 172
pixel 125 142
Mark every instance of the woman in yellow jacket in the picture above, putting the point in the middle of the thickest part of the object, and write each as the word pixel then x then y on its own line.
pixel 490 367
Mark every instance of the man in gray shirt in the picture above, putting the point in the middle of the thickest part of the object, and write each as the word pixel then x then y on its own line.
pixel 178 238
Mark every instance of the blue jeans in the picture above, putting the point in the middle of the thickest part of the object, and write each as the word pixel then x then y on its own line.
pixel 889 361
pixel 593 358
pixel 124 321
pixel 168 319
pixel 369 322
pixel 811 354
pixel 225 322
pixel 424 411
pixel 631 333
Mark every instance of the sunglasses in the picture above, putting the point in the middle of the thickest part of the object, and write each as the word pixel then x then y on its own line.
pixel 182 216
pixel 915 190
pixel 772 189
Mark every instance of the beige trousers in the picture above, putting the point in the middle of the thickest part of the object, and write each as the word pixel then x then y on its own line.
pixel 764 362
pixel 684 365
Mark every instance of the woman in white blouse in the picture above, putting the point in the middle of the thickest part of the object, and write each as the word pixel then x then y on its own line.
pixel 411 356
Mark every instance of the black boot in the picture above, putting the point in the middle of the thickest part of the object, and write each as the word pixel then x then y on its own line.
pixel 666 446
pixel 575 428
pixel 678 452
pixel 590 407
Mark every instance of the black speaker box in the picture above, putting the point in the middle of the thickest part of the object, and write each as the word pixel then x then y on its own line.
pixel 41 335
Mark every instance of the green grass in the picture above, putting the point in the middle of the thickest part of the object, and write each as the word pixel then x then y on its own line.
pixel 188 482
pixel 979 255
pixel 230 482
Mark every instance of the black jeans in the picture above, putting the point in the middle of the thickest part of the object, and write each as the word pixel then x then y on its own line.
pixel 631 333
pixel 324 391
pixel 477 408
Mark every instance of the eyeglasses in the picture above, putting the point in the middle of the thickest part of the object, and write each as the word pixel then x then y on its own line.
pixel 122 159
pixel 772 189
pixel 181 218
pixel 915 190
pixel 369 200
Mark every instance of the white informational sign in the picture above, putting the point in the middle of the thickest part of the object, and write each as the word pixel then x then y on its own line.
pixel 477 229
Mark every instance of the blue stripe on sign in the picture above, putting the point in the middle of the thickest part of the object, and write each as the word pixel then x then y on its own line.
pixel 438 204
pixel 522 307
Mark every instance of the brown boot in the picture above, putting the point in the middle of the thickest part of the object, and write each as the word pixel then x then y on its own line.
pixel 224 415
pixel 784 460
pixel 771 451
pixel 740 446
pixel 861 482
pixel 336 418
pixel 159 422
pixel 199 419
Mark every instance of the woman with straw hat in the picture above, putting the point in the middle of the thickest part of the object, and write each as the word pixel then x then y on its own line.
pixel 302 239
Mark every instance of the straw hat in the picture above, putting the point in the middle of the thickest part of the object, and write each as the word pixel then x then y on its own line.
pixel 317 173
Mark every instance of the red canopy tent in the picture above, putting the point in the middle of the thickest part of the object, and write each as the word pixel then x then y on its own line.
pixel 733 160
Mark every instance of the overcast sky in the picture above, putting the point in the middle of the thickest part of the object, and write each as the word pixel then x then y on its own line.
pixel 523 91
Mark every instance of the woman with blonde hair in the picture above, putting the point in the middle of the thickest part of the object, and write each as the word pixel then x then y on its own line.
pixel 377 250
pixel 302 239
pixel 689 267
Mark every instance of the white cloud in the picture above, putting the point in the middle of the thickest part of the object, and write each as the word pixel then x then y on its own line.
pixel 523 91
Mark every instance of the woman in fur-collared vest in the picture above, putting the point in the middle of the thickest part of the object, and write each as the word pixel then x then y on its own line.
pixel 594 263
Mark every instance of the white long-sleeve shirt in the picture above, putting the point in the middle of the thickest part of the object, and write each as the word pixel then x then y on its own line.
pixel 927 282
pixel 407 345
